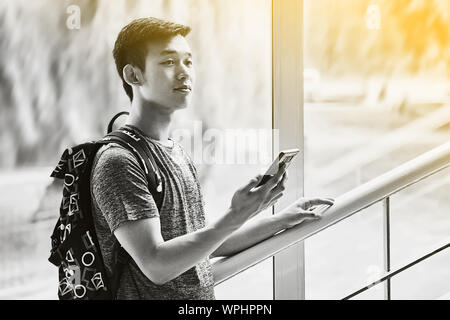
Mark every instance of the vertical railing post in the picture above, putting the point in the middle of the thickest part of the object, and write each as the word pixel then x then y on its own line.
pixel 387 246
pixel 287 80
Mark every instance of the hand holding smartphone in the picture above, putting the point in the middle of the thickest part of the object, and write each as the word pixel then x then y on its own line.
pixel 284 157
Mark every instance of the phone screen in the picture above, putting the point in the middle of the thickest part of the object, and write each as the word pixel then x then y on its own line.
pixel 284 157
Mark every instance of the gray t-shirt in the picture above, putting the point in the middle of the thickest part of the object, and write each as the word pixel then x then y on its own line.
pixel 120 193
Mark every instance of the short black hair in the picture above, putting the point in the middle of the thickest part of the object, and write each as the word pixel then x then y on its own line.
pixel 131 46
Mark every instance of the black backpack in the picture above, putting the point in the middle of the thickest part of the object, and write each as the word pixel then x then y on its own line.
pixel 75 248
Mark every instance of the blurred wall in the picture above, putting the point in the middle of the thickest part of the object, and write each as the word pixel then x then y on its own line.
pixel 411 37
pixel 59 85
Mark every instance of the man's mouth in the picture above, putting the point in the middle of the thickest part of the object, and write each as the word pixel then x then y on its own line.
pixel 183 88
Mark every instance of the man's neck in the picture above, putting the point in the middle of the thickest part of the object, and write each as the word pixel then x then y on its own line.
pixel 152 119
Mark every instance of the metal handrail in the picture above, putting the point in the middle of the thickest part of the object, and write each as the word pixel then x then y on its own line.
pixel 345 206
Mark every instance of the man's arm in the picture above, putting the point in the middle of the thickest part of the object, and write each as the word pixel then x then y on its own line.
pixel 162 261
pixel 257 230
pixel 251 233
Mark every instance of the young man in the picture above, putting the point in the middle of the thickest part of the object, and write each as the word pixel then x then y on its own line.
pixel 170 249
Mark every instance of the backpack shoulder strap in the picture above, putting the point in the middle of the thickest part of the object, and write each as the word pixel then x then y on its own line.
pixel 130 140
pixel 137 145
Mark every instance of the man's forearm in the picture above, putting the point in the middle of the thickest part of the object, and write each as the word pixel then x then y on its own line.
pixel 251 233
pixel 173 257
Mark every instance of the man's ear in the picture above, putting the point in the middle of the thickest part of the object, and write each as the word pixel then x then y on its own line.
pixel 132 75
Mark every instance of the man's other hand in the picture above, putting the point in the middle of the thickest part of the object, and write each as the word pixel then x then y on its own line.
pixel 302 210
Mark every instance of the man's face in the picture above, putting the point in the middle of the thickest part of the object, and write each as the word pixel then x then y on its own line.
pixel 169 73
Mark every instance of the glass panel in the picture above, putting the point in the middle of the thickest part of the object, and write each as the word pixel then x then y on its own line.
pixel 374 293
pixel 346 256
pixel 375 87
pixel 419 218
pixel 61 88
pixel 376 95
pixel 427 280
pixel 255 283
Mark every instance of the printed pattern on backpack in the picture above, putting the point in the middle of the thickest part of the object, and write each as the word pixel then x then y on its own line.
pixel 75 249
pixel 74 245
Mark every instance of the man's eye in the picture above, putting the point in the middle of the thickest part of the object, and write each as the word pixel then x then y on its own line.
pixel 188 63
pixel 169 63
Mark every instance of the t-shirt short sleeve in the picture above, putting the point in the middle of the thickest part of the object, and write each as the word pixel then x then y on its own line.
pixel 119 187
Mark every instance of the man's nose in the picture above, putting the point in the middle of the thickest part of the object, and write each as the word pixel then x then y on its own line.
pixel 182 76
pixel 183 73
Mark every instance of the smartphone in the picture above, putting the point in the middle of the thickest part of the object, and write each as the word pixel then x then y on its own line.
pixel 285 156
